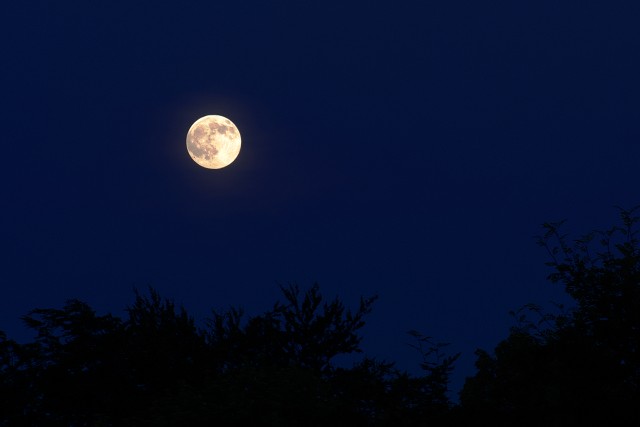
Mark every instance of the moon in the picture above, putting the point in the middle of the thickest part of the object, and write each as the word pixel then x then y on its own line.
pixel 213 142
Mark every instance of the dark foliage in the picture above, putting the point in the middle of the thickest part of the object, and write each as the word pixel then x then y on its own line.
pixel 157 369
pixel 578 367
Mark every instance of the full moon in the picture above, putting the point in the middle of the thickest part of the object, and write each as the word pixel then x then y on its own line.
pixel 213 142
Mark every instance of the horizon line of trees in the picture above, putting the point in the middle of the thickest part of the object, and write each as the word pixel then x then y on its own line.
pixel 156 368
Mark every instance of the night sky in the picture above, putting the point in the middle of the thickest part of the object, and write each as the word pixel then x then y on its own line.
pixel 406 149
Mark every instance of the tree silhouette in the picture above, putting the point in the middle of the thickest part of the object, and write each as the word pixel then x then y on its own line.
pixel 155 368
pixel 579 366
pixel 306 332
pixel 438 368
pixel 315 336
pixel 15 398
pixel 276 365
pixel 67 373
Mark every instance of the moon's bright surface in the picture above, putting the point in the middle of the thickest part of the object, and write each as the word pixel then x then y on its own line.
pixel 213 142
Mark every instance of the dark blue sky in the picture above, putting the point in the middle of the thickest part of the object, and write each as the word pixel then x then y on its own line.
pixel 407 150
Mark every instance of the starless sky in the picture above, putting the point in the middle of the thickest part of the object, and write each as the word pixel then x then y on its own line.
pixel 408 149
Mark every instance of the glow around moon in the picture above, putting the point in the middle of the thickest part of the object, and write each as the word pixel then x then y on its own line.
pixel 213 142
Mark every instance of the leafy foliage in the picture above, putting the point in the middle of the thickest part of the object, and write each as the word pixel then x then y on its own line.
pixel 157 369
pixel 578 366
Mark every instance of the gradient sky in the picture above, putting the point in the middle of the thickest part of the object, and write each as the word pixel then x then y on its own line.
pixel 406 149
